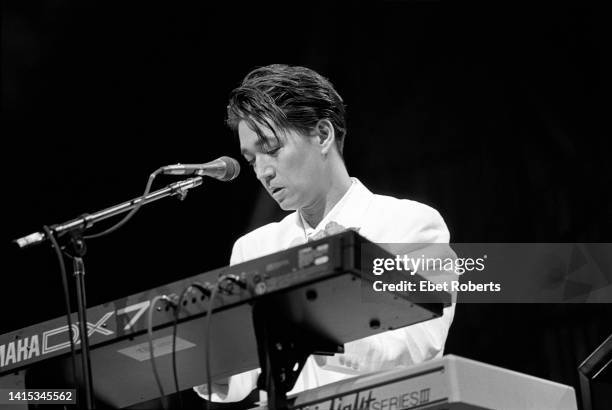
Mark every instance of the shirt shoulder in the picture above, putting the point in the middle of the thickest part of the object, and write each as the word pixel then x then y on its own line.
pixel 262 241
pixel 411 221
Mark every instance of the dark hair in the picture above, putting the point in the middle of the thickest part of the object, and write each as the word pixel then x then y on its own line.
pixel 292 98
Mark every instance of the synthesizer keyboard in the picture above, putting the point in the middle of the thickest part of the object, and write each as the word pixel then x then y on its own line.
pixel 321 282
pixel 449 383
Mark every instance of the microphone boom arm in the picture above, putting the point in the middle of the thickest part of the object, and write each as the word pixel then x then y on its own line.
pixel 88 220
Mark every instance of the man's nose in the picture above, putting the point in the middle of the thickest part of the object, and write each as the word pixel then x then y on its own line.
pixel 264 172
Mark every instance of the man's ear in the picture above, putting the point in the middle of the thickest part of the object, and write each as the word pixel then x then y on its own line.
pixel 326 136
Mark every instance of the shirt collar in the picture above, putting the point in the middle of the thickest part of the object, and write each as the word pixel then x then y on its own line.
pixel 347 211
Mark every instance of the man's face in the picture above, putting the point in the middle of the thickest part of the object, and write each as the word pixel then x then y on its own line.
pixel 291 169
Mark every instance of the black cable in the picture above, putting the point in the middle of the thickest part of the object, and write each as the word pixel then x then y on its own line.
pixel 62 266
pixel 204 292
pixel 150 339
pixel 214 292
pixel 131 213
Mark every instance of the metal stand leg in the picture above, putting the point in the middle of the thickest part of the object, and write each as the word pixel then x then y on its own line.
pixel 79 249
pixel 283 348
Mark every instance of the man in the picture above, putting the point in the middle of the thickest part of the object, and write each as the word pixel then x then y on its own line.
pixel 291 126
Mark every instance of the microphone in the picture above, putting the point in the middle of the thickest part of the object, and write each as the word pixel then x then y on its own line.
pixel 223 169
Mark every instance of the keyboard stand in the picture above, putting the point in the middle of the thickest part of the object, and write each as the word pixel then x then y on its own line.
pixel 283 347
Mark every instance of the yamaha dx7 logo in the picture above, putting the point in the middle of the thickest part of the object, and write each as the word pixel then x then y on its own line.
pixel 54 340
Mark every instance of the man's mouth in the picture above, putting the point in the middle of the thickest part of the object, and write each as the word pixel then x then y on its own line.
pixel 275 191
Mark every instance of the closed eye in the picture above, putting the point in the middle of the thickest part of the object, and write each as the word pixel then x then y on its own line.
pixel 270 151
pixel 273 151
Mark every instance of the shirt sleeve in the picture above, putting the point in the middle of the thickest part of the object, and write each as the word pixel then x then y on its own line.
pixel 425 234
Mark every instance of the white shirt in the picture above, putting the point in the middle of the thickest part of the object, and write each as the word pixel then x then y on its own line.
pixel 381 219
pixel 349 196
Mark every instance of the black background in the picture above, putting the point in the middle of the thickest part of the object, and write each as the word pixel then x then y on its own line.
pixel 496 116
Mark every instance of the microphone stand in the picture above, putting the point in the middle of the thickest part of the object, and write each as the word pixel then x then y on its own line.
pixel 76 227
pixel 78 250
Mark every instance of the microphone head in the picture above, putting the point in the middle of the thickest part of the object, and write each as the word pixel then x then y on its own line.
pixel 232 169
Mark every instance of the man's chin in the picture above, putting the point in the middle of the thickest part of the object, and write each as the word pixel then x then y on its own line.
pixel 286 205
